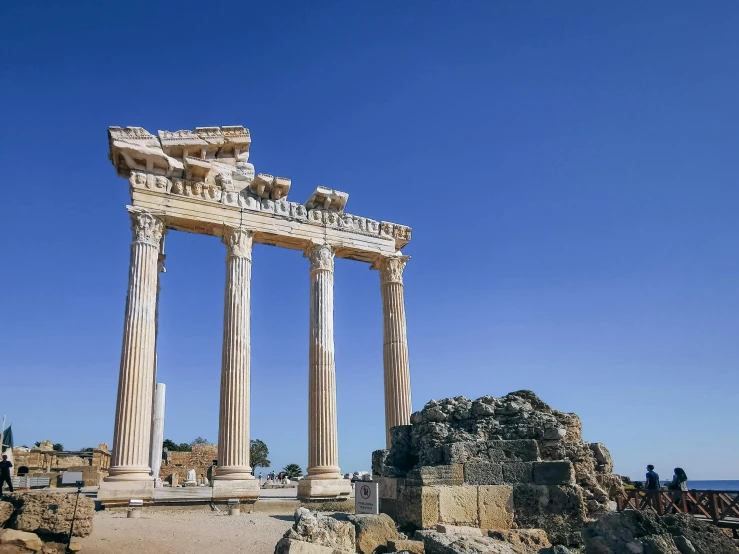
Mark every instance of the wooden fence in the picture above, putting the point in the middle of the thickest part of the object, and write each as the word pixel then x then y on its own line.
pixel 719 507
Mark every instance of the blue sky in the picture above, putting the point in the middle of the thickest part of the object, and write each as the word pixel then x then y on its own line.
pixel 569 170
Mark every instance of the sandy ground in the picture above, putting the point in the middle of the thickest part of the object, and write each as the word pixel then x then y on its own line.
pixel 185 532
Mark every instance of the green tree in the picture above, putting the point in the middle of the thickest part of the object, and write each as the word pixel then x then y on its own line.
pixel 293 471
pixel 199 440
pixel 59 447
pixel 258 453
pixel 172 446
pixel 37 444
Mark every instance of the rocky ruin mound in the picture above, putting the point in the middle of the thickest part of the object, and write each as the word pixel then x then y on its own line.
pixel 528 462
pixel 630 531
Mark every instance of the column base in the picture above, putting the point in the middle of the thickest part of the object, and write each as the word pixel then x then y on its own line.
pixel 310 487
pixel 114 491
pixel 246 490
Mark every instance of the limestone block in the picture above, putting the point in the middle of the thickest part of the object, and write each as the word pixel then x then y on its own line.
pixel 319 529
pixel 518 472
pixel 483 473
pixel 417 506
pixel 372 531
pixel 436 475
pixel 405 546
pixel 6 510
pixel 388 487
pixel 458 505
pixel 439 543
pixel 12 541
pixel 291 546
pixel 529 541
pixel 523 450
pixel 559 510
pixel 495 506
pixel 458 530
pixel 35 516
pixel 554 473
pixel 461 452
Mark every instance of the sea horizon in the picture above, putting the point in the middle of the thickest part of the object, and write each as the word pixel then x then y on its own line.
pixel 709 484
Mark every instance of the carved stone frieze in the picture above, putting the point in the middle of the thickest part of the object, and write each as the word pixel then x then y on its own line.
pixel 146 227
pixel 391 268
pixel 321 257
pixel 238 242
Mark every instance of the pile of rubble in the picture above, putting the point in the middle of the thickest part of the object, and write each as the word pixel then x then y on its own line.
pixel 40 521
pixel 495 463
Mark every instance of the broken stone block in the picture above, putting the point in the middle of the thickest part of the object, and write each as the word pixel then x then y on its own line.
pixel 322 530
pixel 461 452
pixel 483 473
pixel 523 450
pixel 372 531
pixel 405 546
pixel 436 475
pixel 12 540
pixel 554 473
pixel 439 543
pixel 6 510
pixel 528 541
pixel 458 505
pixel 495 506
pixel 292 546
pixel 417 506
pixel 36 516
pixel 458 530
pixel 518 472
pixel 558 510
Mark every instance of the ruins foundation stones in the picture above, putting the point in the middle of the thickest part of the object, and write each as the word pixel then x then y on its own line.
pixel 495 463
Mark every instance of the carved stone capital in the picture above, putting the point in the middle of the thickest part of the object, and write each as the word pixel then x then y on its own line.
pixel 391 268
pixel 147 227
pixel 238 242
pixel 321 257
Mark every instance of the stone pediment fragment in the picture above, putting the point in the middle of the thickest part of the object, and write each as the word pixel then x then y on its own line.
pixel 327 199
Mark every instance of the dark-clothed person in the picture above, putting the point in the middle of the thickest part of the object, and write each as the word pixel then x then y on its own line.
pixel 652 479
pixel 5 466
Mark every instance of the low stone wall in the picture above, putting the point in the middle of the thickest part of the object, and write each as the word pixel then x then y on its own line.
pixel 200 459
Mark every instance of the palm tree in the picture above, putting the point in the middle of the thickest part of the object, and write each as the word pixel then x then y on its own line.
pixel 293 471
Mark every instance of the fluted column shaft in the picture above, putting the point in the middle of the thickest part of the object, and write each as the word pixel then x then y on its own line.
pixel 395 344
pixel 233 431
pixel 132 432
pixel 323 451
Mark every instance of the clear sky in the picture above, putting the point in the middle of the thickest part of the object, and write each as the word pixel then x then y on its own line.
pixel 569 170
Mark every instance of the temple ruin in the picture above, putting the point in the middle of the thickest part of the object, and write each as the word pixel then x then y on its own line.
pixel 201 181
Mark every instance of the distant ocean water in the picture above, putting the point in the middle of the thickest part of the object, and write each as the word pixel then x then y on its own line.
pixel 731 485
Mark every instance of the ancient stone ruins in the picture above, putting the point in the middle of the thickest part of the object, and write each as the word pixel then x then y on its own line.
pixel 503 475
pixel 201 181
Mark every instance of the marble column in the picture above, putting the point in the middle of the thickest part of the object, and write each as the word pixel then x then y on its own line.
pixel 323 479
pixel 395 343
pixel 132 432
pixel 233 475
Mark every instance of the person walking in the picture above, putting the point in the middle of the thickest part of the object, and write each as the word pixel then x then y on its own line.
pixel 653 488
pixel 5 466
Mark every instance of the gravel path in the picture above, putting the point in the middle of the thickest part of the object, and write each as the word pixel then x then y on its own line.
pixel 185 532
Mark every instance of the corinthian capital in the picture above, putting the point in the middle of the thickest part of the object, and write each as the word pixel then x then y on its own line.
pixel 391 268
pixel 147 228
pixel 321 257
pixel 238 242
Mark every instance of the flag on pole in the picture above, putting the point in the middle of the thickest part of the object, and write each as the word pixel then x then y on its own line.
pixel 7 440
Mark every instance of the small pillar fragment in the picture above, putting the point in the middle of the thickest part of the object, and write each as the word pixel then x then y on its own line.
pixel 323 479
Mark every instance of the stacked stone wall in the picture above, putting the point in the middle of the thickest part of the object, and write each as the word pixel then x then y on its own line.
pixel 495 463
pixel 200 459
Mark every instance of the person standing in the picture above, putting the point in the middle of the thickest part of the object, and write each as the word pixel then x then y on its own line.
pixel 678 486
pixel 5 466
pixel 653 487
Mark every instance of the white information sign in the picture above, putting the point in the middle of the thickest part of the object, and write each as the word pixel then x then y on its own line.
pixel 366 498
